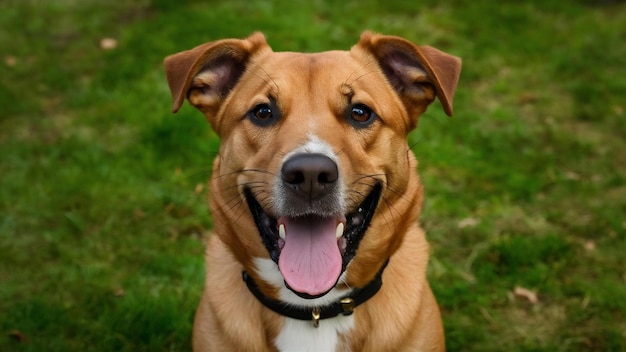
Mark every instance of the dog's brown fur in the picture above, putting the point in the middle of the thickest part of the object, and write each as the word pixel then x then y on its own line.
pixel 398 80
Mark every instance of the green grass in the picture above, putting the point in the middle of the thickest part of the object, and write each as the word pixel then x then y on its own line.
pixel 102 190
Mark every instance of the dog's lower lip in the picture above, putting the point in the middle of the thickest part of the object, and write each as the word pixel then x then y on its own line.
pixel 305 295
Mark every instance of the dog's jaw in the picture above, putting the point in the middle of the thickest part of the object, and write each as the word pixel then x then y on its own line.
pixel 314 240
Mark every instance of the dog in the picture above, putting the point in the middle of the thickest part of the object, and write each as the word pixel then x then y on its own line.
pixel 314 194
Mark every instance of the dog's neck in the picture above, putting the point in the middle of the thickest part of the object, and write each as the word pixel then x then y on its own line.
pixel 344 306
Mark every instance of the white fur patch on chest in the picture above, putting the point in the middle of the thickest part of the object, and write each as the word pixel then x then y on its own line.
pixel 298 335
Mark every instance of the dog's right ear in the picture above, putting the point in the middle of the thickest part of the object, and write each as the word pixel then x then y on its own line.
pixel 206 74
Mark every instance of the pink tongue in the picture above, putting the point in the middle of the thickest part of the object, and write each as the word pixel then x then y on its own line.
pixel 310 261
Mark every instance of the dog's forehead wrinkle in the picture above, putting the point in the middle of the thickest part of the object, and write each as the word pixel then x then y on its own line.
pixel 347 90
pixel 297 66
pixel 362 70
pixel 268 79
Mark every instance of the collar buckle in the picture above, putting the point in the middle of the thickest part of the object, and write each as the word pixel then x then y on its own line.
pixel 347 305
pixel 315 316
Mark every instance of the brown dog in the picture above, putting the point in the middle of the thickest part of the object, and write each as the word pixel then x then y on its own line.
pixel 315 195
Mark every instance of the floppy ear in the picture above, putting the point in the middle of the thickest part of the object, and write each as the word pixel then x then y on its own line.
pixel 414 71
pixel 206 74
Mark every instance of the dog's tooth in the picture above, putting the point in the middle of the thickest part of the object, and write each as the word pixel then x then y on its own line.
pixel 281 244
pixel 343 244
pixel 281 231
pixel 339 231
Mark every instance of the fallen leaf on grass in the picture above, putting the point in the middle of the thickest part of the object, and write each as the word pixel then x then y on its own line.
pixel 521 292
pixel 18 336
pixel 10 60
pixel 139 214
pixel 108 44
pixel 174 233
pixel 467 222
pixel 590 246
pixel 527 98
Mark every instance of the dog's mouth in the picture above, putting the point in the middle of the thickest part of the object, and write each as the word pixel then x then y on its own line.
pixel 312 251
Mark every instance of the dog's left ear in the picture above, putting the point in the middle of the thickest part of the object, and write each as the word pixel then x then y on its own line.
pixel 207 73
pixel 413 69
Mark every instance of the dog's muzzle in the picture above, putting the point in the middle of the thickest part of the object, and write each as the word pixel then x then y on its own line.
pixel 312 238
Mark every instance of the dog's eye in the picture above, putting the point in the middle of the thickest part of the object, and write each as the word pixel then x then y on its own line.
pixel 262 115
pixel 263 112
pixel 361 115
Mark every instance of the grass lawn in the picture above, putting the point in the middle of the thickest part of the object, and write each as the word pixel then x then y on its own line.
pixel 103 190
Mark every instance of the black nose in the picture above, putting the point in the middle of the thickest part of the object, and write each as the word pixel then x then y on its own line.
pixel 312 175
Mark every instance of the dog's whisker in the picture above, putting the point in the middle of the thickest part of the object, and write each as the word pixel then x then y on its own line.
pixel 236 172
pixel 375 177
pixel 238 199
pixel 413 145
pixel 235 209
pixel 400 194
pixel 340 152
pixel 395 214
pixel 231 204
pixel 262 171
pixel 251 184
pixel 266 200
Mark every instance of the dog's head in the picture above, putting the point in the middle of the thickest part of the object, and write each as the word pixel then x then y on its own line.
pixel 314 183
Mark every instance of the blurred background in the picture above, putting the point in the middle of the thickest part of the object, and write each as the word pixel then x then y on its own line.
pixel 103 191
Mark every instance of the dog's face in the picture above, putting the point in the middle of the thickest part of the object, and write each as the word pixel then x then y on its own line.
pixel 314 179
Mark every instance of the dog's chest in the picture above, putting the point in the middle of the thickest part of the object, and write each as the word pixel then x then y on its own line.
pixel 297 335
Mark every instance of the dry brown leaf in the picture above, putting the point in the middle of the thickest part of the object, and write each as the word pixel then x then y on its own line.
pixel 467 222
pixel 139 214
pixel 18 336
pixel 572 176
pixel 521 292
pixel 108 44
pixel 527 98
pixel 590 246
pixel 10 60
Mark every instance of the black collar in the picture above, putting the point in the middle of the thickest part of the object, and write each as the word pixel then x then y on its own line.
pixel 344 306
